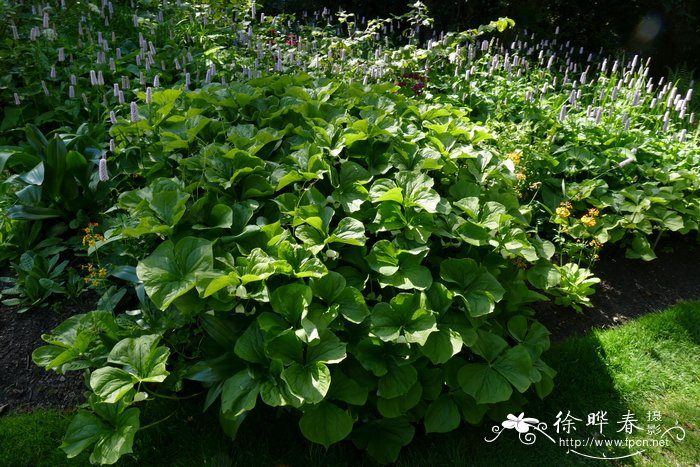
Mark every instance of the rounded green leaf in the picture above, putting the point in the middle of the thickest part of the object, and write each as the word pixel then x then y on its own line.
pixel 442 415
pixel 310 382
pixel 111 384
pixel 239 394
pixel 170 271
pixel 397 381
pixel 325 424
pixel 484 383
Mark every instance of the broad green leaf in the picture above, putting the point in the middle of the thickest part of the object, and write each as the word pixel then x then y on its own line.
pixel 169 205
pixel 484 383
pixel 489 345
pixel 409 277
pixel 215 284
pixel 390 216
pixel 329 287
pixel 239 394
pixel 224 329
pixel 397 406
pixel 291 300
pixel 537 338
pixel 370 353
pixel 258 266
pixel 517 327
pixel 302 261
pixel 142 357
pixel 351 193
pixel 84 429
pixel 399 268
pixel 397 381
pixel 119 441
pixel 673 221
pixel 385 190
pixel 310 382
pixel 383 258
pixel 314 215
pixel 347 389
pixel 471 411
pixel 311 237
pixel 231 423
pixel 329 349
pixel 386 322
pixel 351 304
pixel 285 347
pixel 544 275
pixel 275 393
pixel 417 191
pixel 250 346
pixel 220 217
pixel 442 415
pixel 439 297
pixel 113 436
pixel 640 249
pixel 442 345
pixel 349 231
pixel 404 315
pixel 478 288
pixel 111 384
pixel 325 424
pixel 515 365
pixel 170 271
pixel 384 439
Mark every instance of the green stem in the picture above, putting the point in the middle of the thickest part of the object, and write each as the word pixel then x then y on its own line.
pixel 175 398
pixel 157 422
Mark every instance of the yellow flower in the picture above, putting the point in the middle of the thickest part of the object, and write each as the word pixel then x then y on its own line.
pixel 593 212
pixel 563 211
pixel 515 156
pixel 520 176
pixel 595 244
pixel 588 221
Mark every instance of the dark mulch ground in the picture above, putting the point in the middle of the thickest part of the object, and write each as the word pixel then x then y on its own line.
pixel 629 288
pixel 23 385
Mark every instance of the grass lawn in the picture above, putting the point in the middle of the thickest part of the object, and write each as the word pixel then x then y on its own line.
pixel 647 371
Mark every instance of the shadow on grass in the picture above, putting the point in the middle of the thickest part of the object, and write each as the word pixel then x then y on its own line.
pixel 583 386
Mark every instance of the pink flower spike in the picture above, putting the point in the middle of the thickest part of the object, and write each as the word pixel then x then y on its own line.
pixel 102 169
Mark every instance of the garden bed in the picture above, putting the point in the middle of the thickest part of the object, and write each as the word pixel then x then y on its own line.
pixel 628 289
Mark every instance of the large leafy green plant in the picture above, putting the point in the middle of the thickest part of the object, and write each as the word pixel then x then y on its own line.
pixel 346 253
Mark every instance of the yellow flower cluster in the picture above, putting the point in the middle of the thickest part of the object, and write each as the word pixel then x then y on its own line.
pixel 516 157
pixel 564 209
pixel 91 238
pixel 595 244
pixel 95 276
pixel 589 220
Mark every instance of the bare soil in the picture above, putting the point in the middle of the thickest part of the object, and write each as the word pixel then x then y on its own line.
pixel 628 288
